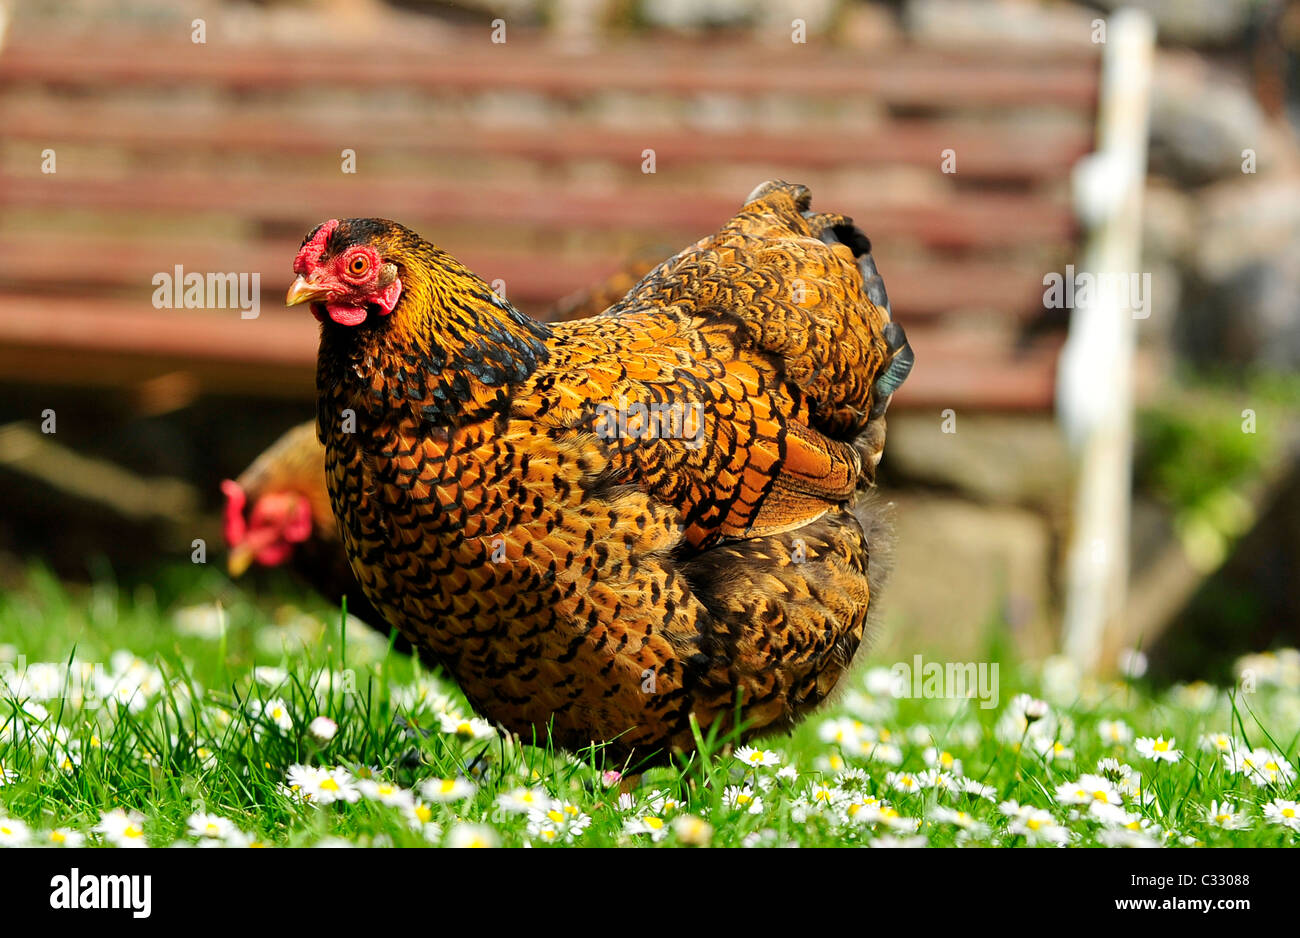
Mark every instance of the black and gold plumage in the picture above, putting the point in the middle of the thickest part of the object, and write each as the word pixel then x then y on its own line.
pixel 604 526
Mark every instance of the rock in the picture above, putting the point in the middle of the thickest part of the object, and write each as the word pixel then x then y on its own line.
pixel 961 571
pixel 997 23
pixel 1195 22
pixel 1202 118
pixel 1017 460
pixel 1246 261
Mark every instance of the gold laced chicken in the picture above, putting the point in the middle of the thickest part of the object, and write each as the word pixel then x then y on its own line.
pixel 606 527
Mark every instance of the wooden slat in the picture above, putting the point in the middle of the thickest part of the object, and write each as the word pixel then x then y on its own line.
pixel 983 151
pixel 908 78
pixel 918 289
pixel 84 342
pixel 964 221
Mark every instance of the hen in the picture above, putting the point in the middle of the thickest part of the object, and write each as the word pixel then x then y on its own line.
pixel 277 511
pixel 609 527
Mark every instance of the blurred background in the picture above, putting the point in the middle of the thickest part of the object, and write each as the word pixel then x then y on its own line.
pixel 549 143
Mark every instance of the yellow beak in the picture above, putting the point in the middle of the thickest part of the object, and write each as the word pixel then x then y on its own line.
pixel 238 561
pixel 303 291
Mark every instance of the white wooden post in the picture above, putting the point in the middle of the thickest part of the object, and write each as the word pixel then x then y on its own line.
pixel 1095 382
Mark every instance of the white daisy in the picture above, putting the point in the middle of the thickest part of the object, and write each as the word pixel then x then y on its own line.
pixel 1115 732
pixel 63 837
pixel 468 728
pixel 1087 790
pixel 274 711
pixel 903 781
pixel 650 824
pixel 472 835
pixel 322 729
pixel 1286 813
pixel 443 790
pixel 1217 742
pixel 385 793
pixel 742 797
pixel 210 826
pixel 323 786
pixel 1158 749
pixel 757 757
pixel 959 819
pixel 692 831
pixel 524 800
pixel 937 758
pixel 1225 815
pixel 122 829
pixel 14 833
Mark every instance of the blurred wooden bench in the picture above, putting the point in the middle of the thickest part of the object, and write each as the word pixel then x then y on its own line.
pixel 526 162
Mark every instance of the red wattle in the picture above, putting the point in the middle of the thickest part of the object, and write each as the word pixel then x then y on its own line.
pixel 346 315
pixel 235 527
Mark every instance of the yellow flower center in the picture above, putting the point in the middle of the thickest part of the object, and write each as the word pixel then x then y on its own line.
pixel 654 823
pixel 58 837
pixel 422 813
pixel 1161 746
pixel 329 785
pixel 133 832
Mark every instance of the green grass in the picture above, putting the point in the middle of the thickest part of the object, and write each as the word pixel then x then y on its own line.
pixel 187 663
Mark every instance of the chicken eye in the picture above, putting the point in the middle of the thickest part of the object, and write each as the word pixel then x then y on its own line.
pixel 358 265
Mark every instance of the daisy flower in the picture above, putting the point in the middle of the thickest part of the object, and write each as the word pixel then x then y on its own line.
pixel 468 728
pixel 473 835
pixel 322 729
pixel 559 822
pixel 971 787
pixel 1225 815
pixel 939 780
pixel 853 809
pixel 650 824
pixel 1038 826
pixel 1087 790
pixel 937 758
pixel 692 831
pixel 757 757
pixel 1124 837
pixel 903 781
pixel 323 786
pixel 443 790
pixel 889 841
pixel 274 711
pixel 742 798
pixel 882 813
pixel 1217 742
pixel 14 833
pixel 886 753
pixel 1286 813
pixel 959 819
pixel 385 793
pixel 420 817
pixel 1158 749
pixel 209 825
pixel 63 837
pixel 524 800
pixel 1115 732
pixel 122 829
pixel 1261 766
